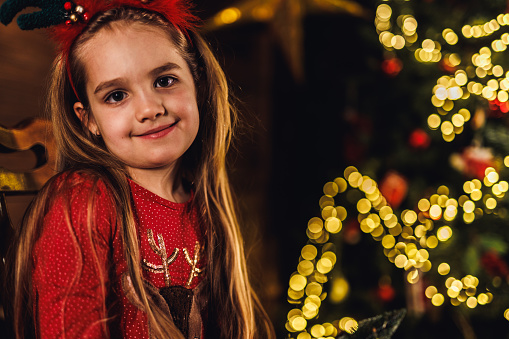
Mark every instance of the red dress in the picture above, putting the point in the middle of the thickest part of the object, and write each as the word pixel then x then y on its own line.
pixel 80 285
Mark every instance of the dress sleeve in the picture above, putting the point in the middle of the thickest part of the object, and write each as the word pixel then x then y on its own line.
pixel 72 263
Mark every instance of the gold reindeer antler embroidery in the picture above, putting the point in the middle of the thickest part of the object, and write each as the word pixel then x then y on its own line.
pixel 160 250
pixel 195 271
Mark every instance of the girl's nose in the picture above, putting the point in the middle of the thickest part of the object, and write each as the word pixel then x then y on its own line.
pixel 150 106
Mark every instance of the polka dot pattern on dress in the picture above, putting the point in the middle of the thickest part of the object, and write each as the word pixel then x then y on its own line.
pixel 78 260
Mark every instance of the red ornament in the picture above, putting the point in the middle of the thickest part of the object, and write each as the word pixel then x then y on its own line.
pixel 394 188
pixel 498 108
pixel 494 265
pixel 352 232
pixel 385 292
pixel 419 139
pixel 446 65
pixel 85 16
pixel 67 6
pixel 392 66
pixel 68 22
pixel 473 161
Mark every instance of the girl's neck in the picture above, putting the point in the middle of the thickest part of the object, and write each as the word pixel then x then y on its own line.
pixel 163 182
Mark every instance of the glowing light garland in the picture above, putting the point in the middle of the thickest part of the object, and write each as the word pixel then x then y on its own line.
pixel 474 75
pixel 408 240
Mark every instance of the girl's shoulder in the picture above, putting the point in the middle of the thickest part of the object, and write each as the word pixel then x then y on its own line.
pixel 75 188
pixel 72 181
pixel 79 199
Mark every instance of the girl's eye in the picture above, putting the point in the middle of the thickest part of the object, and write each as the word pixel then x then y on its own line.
pixel 115 97
pixel 165 81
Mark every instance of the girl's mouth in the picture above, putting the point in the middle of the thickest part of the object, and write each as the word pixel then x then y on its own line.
pixel 158 132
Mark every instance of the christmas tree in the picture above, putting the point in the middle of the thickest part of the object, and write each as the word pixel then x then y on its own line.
pixel 420 221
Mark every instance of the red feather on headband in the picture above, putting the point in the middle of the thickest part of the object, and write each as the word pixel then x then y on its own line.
pixel 177 12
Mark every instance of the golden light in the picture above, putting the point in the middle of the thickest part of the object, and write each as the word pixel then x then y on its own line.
pixel 409 25
pixel 348 325
pixel 295 295
pixel 498 70
pixel 428 45
pixel 229 15
pixel 324 265
pixel 437 299
pixel 309 252
pixel 388 241
pixel 454 93
pixel 330 330
pixel 491 175
pixel 315 225
pixel 430 291
pixel 424 205
pixel 304 335
pixel 384 12
pixel 339 290
pixel 434 122
pixel 444 233
pixel 468 218
pixel 458 120
pixel 398 42
pixel 492 84
pixel 444 269
pixel 333 225
pixel 460 77
pixel 468 206
pixel 298 323
pixel 432 242
pixel 342 184
pixel 341 213
pixel 305 267
pixel 447 128
pixel 435 212
pixel 491 203
pixel 364 206
pixel 310 310
pixel 472 302
pixel 449 36
pixel 401 261
pixel 298 282
pixel 355 179
pixel 465 113
pixel 313 288
pixel 466 31
pixel 409 217
pixel 330 189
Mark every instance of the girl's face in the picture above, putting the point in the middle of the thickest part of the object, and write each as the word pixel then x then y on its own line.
pixel 142 96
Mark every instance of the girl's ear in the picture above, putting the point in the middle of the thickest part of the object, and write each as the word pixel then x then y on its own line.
pixel 86 119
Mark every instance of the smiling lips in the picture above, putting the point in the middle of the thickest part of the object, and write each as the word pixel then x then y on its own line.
pixel 158 132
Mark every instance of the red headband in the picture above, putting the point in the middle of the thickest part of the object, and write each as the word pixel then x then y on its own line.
pixel 66 20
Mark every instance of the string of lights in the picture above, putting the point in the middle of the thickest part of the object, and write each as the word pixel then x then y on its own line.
pixel 474 78
pixel 406 241
pixel 474 74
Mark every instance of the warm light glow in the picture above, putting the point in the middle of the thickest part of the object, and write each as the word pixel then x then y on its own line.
pixel 437 299
pixel 230 15
pixel 444 233
pixel 298 282
pixel 444 269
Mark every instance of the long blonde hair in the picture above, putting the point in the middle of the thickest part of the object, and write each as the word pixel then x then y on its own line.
pixel 233 305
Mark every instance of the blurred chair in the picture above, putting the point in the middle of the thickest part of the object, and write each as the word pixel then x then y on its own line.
pixel 31 136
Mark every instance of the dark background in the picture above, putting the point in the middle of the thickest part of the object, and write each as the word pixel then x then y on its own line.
pixel 297 134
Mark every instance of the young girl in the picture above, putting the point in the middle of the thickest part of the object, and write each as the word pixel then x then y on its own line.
pixel 137 236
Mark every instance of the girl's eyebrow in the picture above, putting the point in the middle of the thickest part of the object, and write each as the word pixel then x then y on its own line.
pixel 156 71
pixel 164 68
pixel 110 83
